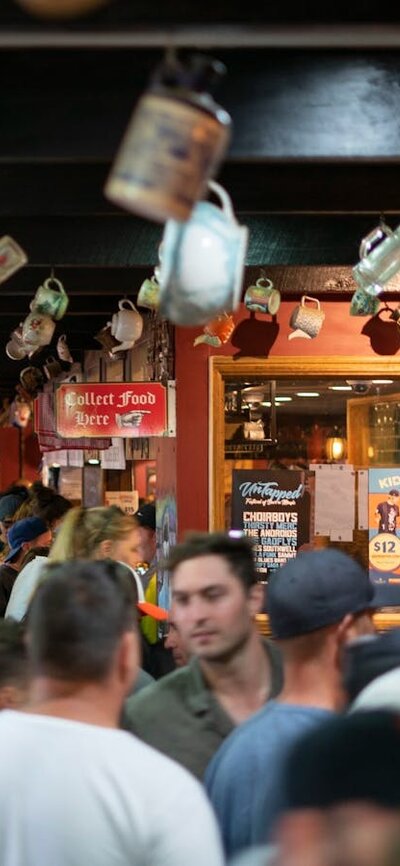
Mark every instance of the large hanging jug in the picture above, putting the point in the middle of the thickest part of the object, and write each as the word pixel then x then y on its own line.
pixel 174 142
pixel 379 259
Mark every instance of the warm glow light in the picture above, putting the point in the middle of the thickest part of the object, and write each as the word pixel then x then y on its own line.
pixel 340 388
pixel 371 452
pixel 283 399
pixel 335 448
pixel 307 394
pixel 382 381
pixel 266 403
pixel 94 461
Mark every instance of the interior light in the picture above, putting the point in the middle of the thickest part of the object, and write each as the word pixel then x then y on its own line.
pixel 307 394
pixel 283 399
pixel 382 381
pixel 55 465
pixel 94 461
pixel 340 388
pixel 335 448
pixel 266 403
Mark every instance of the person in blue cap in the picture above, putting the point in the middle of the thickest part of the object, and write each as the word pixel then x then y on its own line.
pixel 22 535
pixel 316 603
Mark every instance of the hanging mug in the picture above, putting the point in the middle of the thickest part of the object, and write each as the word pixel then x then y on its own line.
pixel 364 304
pixel 218 332
pixel 31 380
pixel 37 330
pixel 63 351
pixel 263 297
pixel 149 293
pixel 379 259
pixel 202 262
pixel 307 319
pixel 15 348
pixel 51 299
pixel 52 368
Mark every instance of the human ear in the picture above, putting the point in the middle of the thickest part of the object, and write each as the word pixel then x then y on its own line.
pixel 128 662
pixel 256 598
pixel 104 549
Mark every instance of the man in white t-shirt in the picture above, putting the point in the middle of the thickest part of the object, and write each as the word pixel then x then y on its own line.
pixel 73 789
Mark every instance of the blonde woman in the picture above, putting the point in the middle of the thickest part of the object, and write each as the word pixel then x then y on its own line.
pixel 97 533
pixel 85 533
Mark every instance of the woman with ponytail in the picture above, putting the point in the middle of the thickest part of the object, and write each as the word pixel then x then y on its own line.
pixel 85 533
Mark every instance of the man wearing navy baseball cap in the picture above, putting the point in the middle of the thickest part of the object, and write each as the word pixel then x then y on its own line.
pixel 22 535
pixel 316 603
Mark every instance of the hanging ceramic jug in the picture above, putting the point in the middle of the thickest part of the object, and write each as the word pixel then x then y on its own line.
pixel 202 266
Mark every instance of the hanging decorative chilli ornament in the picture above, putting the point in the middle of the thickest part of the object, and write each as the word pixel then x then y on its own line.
pixel 217 332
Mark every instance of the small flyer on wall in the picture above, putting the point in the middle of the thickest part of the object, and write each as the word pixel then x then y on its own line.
pixel 273 508
pixel 384 525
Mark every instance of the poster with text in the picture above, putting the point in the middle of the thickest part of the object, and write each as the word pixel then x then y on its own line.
pixel 384 525
pixel 273 508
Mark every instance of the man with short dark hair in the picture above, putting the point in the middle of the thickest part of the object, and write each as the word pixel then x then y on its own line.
pixel 316 602
pixel 232 672
pixel 73 789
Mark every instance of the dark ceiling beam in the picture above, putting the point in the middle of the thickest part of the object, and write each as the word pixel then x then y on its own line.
pixel 123 14
pixel 125 241
pixel 75 189
pixel 284 104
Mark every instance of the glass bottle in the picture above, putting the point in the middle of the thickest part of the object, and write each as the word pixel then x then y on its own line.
pixel 174 143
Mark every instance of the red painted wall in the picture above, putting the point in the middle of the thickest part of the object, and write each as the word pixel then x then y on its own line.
pixel 256 336
pixel 10 470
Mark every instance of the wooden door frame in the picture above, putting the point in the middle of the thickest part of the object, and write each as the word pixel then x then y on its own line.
pixel 322 366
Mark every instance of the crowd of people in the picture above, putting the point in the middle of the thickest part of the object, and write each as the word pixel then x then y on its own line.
pixel 134 735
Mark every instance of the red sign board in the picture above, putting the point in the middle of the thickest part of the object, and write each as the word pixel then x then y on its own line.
pixel 124 409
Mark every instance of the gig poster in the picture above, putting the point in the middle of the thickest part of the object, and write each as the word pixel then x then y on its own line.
pixel 271 506
pixel 384 526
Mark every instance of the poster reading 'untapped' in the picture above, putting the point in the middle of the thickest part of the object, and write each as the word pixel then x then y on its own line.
pixel 273 508
pixel 384 525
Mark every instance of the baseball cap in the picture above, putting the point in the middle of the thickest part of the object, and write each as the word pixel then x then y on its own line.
pixel 145 607
pixel 9 505
pixel 22 531
pixel 315 590
pixel 146 515
pixel 349 758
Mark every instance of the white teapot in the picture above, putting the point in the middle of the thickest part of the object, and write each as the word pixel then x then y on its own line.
pixel 126 325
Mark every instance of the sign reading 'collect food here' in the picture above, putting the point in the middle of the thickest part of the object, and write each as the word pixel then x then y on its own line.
pixel 125 409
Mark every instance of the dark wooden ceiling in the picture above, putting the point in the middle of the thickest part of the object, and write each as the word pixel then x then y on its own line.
pixel 314 157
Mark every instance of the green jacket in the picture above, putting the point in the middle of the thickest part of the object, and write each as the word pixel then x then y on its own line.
pixel 180 716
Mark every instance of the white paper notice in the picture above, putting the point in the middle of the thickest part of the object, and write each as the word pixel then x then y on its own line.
pixel 127 500
pixel 341 535
pixel 75 457
pixel 363 519
pixel 114 457
pixel 55 458
pixel 334 500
